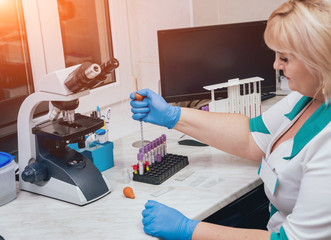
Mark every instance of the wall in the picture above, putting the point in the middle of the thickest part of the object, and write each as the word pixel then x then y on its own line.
pixel 148 16
pixel 224 11
pixel 145 17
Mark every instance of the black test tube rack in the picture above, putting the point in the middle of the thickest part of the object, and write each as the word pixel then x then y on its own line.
pixel 161 171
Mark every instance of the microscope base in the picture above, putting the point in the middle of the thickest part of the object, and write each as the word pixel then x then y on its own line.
pixel 57 189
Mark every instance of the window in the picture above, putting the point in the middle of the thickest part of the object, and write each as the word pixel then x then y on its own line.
pixel 15 68
pixel 85 31
pixel 52 47
pixel 14 63
pixel 35 41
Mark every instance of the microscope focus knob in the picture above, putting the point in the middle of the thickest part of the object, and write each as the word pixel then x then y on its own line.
pixel 34 173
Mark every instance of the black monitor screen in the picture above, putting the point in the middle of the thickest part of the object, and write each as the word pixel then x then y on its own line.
pixel 191 58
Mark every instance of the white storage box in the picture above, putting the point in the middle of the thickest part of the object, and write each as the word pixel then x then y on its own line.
pixel 7 178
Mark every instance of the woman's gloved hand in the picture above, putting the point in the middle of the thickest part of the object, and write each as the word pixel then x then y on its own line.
pixel 166 223
pixel 154 109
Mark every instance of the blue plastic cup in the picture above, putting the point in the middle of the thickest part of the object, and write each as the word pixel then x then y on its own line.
pixel 7 178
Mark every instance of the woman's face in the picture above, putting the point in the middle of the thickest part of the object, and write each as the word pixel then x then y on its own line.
pixel 297 74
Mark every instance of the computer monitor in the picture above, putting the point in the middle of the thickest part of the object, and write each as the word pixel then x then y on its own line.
pixel 191 58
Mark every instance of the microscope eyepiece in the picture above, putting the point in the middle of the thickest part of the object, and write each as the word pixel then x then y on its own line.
pixel 89 75
pixel 93 71
pixel 82 76
pixel 109 66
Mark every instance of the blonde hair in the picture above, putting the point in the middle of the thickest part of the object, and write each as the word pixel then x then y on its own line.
pixel 302 28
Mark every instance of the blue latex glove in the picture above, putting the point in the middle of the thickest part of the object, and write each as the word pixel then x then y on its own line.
pixel 154 109
pixel 166 223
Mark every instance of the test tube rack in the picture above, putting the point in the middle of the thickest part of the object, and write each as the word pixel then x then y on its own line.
pixel 163 170
pixel 249 103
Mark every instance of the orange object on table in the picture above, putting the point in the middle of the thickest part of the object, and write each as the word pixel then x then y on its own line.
pixel 128 192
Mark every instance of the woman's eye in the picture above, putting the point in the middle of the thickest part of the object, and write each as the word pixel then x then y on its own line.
pixel 283 59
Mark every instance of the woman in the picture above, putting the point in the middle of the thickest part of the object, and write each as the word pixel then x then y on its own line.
pixel 293 138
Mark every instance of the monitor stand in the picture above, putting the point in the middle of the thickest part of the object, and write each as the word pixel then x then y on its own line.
pixel 189 141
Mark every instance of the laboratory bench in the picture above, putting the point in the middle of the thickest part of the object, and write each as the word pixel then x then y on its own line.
pixel 212 181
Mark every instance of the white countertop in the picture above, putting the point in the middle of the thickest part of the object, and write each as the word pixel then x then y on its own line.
pixel 223 178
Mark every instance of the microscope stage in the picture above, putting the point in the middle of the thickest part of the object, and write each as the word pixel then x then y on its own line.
pixel 62 130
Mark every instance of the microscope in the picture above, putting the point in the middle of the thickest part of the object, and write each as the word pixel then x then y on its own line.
pixel 47 165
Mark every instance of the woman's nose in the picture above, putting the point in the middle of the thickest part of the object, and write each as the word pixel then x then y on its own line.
pixel 278 65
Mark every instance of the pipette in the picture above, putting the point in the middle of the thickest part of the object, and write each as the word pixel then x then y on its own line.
pixel 140 99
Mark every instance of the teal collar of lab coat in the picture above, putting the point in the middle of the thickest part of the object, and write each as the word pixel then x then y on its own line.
pixel 315 124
